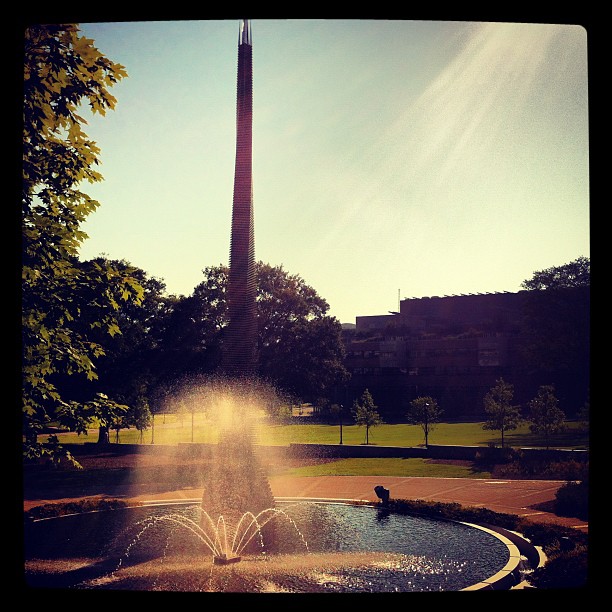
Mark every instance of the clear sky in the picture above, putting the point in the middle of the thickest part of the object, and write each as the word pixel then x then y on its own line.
pixel 390 158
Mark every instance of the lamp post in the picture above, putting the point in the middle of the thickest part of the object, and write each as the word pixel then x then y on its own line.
pixel 340 414
pixel 426 424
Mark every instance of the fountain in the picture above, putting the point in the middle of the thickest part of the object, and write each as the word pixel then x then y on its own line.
pixel 321 547
pixel 238 538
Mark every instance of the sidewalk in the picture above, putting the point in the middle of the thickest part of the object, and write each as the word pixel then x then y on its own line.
pixel 525 498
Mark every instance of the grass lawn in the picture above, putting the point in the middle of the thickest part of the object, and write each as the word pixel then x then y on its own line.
pixel 389 467
pixel 170 429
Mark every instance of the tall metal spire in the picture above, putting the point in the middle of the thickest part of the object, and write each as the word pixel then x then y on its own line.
pixel 244 36
pixel 240 342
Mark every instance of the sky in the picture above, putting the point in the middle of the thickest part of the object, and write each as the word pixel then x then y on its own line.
pixel 391 158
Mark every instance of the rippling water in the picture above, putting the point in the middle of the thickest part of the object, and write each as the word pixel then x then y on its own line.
pixel 316 547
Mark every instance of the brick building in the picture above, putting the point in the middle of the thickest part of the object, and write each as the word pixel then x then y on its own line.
pixel 452 348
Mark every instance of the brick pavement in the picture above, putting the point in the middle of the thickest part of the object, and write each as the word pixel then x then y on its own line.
pixel 525 498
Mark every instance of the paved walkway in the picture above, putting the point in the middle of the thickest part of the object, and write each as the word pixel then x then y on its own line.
pixel 525 498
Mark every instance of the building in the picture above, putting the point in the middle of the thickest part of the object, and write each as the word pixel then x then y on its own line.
pixel 452 348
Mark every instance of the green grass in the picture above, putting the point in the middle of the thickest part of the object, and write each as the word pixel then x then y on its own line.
pixel 169 429
pixel 388 467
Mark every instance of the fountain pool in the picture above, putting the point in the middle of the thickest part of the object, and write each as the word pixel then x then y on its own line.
pixel 318 547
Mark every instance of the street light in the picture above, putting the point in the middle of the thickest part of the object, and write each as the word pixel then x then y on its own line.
pixel 340 413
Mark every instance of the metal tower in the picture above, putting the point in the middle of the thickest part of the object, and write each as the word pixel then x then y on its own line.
pixel 240 342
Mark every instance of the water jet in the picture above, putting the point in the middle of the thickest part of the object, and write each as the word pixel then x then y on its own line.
pixel 321 547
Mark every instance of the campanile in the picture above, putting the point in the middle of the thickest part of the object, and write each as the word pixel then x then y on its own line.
pixel 240 342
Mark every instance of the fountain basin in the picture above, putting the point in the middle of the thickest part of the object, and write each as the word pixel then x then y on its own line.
pixel 323 547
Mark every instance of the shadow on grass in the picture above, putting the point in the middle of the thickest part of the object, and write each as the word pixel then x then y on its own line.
pixel 53 484
pixel 570 438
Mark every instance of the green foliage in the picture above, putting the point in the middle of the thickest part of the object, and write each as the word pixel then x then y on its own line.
pixel 75 507
pixel 494 455
pixel 366 414
pixel 577 273
pixel 189 330
pixel 584 414
pixel 545 415
pixel 141 415
pixel 299 346
pixel 557 329
pixel 526 468
pixel 61 71
pixel 502 415
pixel 424 411
pixel 454 512
pixel 563 570
pixel 572 499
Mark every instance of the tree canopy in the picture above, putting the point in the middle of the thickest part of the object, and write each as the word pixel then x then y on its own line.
pixel 502 415
pixel 62 72
pixel 576 273
pixel 557 329
pixel 424 411
pixel 299 345
pixel 365 413
pixel 546 418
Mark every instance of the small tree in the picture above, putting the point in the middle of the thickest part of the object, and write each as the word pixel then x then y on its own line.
pixel 365 413
pixel 424 411
pixel 142 415
pixel 545 416
pixel 584 414
pixel 503 416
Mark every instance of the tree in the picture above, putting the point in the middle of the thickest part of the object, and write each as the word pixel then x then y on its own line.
pixel 128 368
pixel 502 415
pixel 575 274
pixel 190 331
pixel 545 415
pixel 62 70
pixel 366 414
pixel 557 328
pixel 141 416
pixel 584 414
pixel 424 411
pixel 299 346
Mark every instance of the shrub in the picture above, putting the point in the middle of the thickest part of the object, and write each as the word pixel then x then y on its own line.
pixel 572 499
pixel 550 536
pixel 563 570
pixel 493 455
pixel 544 469
pixel 85 505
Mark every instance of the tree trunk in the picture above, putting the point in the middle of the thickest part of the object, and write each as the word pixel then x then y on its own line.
pixel 104 435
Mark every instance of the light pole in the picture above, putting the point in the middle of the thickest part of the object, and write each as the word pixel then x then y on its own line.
pixel 426 424
pixel 340 413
